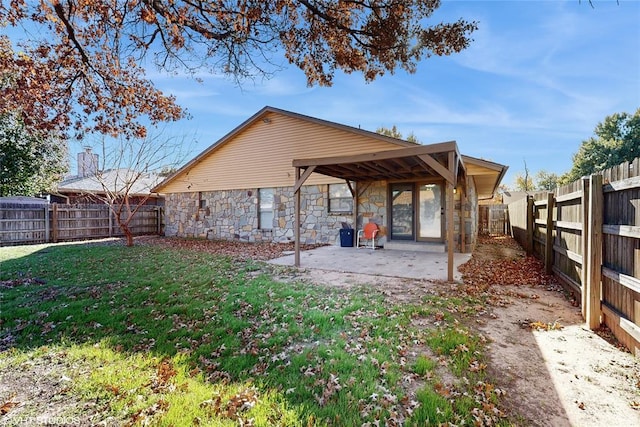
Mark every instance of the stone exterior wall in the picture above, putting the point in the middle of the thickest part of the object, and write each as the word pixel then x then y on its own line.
pixel 372 207
pixel 233 215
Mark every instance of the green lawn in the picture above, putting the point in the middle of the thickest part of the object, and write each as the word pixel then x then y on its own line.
pixel 158 336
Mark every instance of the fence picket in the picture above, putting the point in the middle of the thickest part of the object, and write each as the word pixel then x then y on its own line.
pixel 29 224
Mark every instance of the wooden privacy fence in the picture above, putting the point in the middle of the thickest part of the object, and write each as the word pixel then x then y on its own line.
pixel 493 219
pixel 22 224
pixel 588 234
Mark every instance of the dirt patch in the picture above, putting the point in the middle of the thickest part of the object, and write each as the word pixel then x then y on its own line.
pixel 556 371
pixel 394 289
pixel 37 393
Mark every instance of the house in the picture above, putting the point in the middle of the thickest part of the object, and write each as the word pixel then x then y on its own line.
pixel 91 182
pixel 278 166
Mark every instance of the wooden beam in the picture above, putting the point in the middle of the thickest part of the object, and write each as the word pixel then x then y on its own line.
pixel 530 224
pixel 636 316
pixel 622 230
pixel 619 319
pixel 548 248
pixel 362 188
pixel 356 200
pixel 47 228
pixel 594 256
pixel 568 225
pixel 442 147
pixel 447 174
pixel 568 281
pixel 351 189
pixel 463 222
pixel 300 180
pixel 54 224
pixel 585 244
pixel 380 169
pixel 450 206
pixel 296 225
pixel 628 282
pixel 567 197
pixel 402 163
pixel 456 164
pixel 623 184
pixel 577 258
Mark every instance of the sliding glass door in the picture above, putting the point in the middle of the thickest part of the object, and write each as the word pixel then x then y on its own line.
pixel 416 211
pixel 402 219
pixel 430 212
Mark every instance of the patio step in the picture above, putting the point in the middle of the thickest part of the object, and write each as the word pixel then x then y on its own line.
pixel 414 246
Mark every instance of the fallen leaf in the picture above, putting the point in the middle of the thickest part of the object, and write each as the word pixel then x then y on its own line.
pixel 8 405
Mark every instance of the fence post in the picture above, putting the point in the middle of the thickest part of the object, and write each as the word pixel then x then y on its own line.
pixel 594 252
pixel 158 220
pixel 636 274
pixel 548 248
pixel 584 277
pixel 46 223
pixel 54 223
pixel 530 224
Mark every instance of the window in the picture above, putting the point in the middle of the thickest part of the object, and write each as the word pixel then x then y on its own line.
pixel 265 208
pixel 202 203
pixel 340 198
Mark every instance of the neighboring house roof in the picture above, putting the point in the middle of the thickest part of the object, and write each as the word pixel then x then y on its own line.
pixel 274 135
pixel 24 200
pixel 116 180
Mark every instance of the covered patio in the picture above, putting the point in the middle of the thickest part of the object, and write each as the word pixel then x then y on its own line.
pixel 381 262
pixel 422 162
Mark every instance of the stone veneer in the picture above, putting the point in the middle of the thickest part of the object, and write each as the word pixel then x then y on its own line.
pixel 233 215
pixel 470 218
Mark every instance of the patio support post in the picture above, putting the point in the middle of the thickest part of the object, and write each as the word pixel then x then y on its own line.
pixel 300 179
pixel 356 200
pixel 463 220
pixel 296 226
pixel 450 203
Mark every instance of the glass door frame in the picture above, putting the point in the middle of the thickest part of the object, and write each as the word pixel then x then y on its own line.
pixel 439 183
pixel 392 235
pixel 415 219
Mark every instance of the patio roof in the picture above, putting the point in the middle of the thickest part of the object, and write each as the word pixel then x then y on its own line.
pixel 402 164
pixel 412 163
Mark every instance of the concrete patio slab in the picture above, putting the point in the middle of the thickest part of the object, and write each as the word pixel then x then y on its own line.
pixel 381 262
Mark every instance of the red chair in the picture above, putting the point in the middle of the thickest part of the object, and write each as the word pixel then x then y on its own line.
pixel 368 233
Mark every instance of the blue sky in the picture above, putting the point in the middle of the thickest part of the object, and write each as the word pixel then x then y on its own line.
pixel 538 78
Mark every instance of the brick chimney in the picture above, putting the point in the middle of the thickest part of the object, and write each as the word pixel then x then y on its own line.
pixel 87 163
